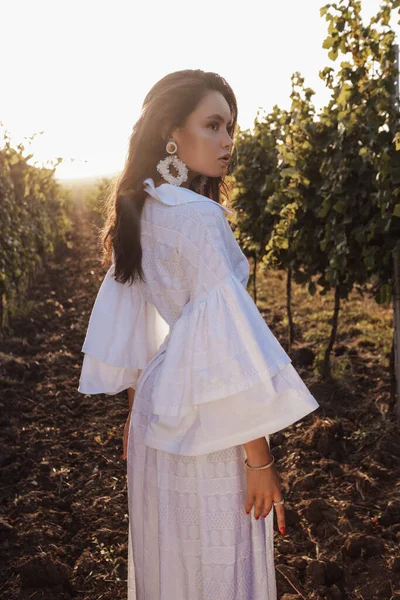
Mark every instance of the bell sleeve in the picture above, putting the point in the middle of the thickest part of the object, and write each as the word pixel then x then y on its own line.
pixel 124 332
pixel 225 379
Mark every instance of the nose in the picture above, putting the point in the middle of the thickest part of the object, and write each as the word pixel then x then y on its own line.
pixel 229 144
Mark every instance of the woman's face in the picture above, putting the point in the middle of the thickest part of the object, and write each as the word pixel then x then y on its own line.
pixel 204 139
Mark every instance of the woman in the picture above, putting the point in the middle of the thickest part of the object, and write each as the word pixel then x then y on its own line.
pixel 207 380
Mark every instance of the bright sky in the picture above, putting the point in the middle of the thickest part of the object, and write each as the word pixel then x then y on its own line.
pixel 79 69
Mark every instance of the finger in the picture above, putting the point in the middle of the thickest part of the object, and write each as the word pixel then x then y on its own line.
pixel 249 504
pixel 267 507
pixel 280 517
pixel 258 507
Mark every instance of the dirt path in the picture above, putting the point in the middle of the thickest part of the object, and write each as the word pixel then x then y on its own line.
pixel 63 481
pixel 63 518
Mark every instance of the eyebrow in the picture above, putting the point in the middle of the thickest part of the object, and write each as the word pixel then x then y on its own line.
pixel 218 117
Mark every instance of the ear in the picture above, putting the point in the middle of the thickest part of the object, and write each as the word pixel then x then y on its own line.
pixel 169 134
pixel 166 133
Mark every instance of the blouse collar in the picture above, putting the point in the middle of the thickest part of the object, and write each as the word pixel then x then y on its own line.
pixel 170 194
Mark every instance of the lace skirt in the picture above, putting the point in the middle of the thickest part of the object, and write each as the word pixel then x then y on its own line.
pixel 189 534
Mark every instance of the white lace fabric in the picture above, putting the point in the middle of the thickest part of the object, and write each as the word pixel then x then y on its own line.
pixel 222 377
pixel 189 535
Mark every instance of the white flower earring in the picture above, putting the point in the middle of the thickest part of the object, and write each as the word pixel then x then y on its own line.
pixel 163 166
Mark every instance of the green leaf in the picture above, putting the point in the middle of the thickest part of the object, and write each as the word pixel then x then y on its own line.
pixel 344 94
pixel 291 172
pixel 281 242
pixel 328 43
pixel 339 206
pixel 396 210
pixel 333 54
pixel 340 24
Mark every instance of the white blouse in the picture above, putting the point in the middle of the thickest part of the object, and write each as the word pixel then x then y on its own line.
pixel 224 378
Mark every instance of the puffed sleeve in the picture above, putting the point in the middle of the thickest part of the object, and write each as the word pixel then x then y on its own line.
pixel 225 379
pixel 123 334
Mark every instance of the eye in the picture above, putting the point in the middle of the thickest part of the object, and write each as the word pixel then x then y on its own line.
pixel 216 123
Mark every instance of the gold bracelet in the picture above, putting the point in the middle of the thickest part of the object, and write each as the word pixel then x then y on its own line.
pixel 260 468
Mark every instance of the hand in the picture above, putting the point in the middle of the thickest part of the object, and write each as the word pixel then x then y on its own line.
pixel 125 436
pixel 263 488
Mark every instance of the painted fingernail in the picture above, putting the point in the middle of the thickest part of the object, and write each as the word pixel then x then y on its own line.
pixel 264 516
pixel 282 530
pixel 257 518
pixel 247 512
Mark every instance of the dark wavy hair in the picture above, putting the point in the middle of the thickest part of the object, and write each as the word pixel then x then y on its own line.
pixel 167 105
